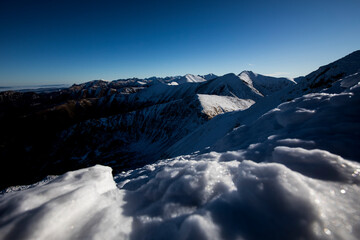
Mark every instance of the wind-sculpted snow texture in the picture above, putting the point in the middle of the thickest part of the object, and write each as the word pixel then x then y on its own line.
pixel 291 171
pixel 76 205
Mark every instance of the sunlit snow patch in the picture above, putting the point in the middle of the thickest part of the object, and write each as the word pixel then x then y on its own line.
pixel 213 105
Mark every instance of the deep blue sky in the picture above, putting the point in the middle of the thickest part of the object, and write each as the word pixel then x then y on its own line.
pixel 61 41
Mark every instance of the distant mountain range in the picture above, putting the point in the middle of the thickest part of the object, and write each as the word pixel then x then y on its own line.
pixel 123 123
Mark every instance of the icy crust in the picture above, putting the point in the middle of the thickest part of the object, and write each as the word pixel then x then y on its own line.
pixel 24 187
pixel 189 197
pixel 83 204
pixel 199 197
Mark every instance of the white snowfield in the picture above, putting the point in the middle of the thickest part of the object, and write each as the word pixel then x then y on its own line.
pixel 290 172
pixel 213 105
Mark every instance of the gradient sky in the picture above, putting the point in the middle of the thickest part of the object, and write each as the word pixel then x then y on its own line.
pixel 61 41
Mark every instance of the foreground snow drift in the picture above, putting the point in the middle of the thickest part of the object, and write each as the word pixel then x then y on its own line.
pixel 202 198
pixel 84 204
pixel 190 197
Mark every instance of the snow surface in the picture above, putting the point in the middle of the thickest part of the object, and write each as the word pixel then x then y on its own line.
pixel 189 197
pixel 84 204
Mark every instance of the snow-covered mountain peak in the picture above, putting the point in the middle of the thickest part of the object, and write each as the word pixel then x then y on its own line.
pixel 171 80
pixel 191 78
pixel 247 76
pixel 265 84
pixel 230 78
pixel 230 85
pixel 248 72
